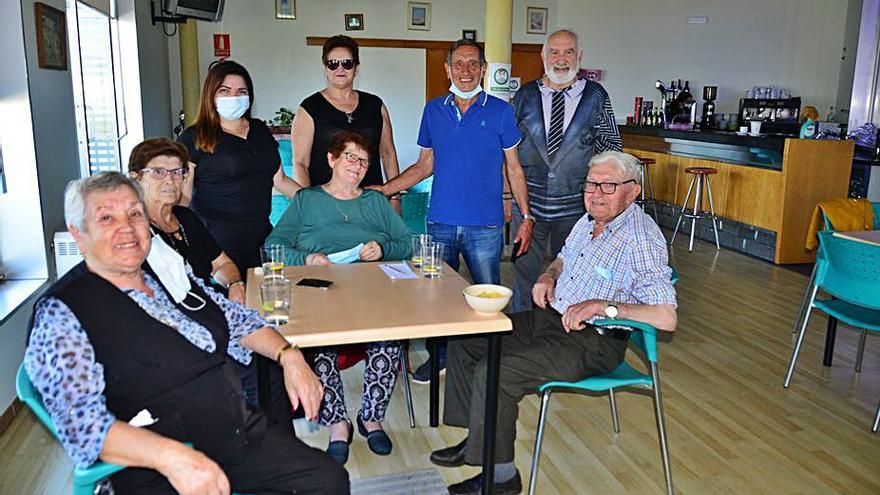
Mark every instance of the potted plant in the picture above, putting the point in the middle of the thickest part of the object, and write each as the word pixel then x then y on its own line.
pixel 280 124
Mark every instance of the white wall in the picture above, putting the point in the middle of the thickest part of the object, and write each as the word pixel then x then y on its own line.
pixel 286 71
pixel 788 43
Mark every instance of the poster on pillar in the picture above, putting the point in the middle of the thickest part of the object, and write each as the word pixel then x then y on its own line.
pixel 499 81
pixel 221 46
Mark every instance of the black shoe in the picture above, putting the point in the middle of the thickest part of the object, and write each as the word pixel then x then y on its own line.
pixel 422 374
pixel 450 456
pixel 377 440
pixel 338 449
pixel 473 486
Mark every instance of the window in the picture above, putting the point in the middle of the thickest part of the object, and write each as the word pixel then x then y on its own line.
pixel 97 85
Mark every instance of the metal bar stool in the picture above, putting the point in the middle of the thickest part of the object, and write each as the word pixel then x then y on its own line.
pixel 701 179
pixel 647 195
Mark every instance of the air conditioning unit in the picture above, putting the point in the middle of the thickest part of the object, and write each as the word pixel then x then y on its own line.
pixel 66 253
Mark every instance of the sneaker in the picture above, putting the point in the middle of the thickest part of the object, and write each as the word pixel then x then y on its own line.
pixel 422 374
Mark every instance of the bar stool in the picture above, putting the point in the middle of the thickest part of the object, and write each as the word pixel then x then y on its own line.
pixel 701 179
pixel 647 195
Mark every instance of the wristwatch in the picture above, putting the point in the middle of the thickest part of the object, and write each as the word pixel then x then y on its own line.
pixel 611 311
pixel 526 216
pixel 284 349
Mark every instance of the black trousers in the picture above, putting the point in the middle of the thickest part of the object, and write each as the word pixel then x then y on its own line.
pixel 537 351
pixel 274 463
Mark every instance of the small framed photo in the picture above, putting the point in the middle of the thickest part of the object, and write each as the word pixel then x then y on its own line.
pixel 469 34
pixel 51 37
pixel 354 22
pixel 418 16
pixel 285 9
pixel 536 20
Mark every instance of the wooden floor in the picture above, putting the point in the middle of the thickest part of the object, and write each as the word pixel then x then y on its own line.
pixel 732 427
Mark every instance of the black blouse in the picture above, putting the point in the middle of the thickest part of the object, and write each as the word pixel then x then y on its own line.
pixel 193 241
pixel 366 120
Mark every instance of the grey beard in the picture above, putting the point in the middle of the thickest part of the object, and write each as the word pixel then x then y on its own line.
pixel 564 79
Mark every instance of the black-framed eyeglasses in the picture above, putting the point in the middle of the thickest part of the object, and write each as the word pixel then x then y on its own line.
pixel 334 64
pixel 606 187
pixel 161 173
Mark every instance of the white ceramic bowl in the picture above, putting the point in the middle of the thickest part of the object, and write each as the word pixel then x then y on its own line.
pixel 487 305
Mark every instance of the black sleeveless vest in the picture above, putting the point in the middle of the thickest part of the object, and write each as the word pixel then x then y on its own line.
pixel 195 395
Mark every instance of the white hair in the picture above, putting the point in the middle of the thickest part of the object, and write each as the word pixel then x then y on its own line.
pixel 77 191
pixel 567 30
pixel 626 164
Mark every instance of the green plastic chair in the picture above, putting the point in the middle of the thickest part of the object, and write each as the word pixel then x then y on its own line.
pixel 849 271
pixel 414 211
pixel 644 337
pixel 85 480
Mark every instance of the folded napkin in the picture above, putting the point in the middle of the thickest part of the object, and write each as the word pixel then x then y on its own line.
pixel 347 256
pixel 397 271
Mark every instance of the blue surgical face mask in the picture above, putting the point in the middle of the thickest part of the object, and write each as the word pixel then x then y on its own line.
pixel 232 107
pixel 465 95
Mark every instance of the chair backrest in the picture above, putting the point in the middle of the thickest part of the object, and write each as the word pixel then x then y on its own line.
pixel 29 394
pixel 642 335
pixel 849 270
pixel 876 206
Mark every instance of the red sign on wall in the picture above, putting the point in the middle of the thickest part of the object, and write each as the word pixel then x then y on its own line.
pixel 221 45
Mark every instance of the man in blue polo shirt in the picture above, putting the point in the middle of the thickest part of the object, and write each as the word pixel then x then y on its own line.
pixel 468 140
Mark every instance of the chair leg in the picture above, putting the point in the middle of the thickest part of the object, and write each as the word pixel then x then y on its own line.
pixel 830 335
pixel 653 196
pixel 539 439
pixel 681 212
pixel 876 419
pixel 800 338
pixel 698 205
pixel 797 322
pixel 712 211
pixel 614 419
pixel 407 391
pixel 661 428
pixel 862 336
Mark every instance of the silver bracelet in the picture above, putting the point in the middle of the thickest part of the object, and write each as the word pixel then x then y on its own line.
pixel 239 281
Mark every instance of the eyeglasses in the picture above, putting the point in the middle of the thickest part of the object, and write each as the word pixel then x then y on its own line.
pixel 334 64
pixel 606 187
pixel 353 158
pixel 161 173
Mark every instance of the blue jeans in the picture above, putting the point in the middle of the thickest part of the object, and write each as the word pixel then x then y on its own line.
pixel 480 246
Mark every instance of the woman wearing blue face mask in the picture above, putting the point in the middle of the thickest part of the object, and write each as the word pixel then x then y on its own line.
pixel 236 165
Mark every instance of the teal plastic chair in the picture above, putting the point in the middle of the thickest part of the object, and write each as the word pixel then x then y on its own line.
pixel 414 211
pixel 85 480
pixel 644 337
pixel 849 271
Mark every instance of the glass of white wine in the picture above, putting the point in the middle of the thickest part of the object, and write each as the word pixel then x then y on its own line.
pixel 272 257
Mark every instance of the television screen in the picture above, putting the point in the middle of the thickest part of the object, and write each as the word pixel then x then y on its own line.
pixel 209 10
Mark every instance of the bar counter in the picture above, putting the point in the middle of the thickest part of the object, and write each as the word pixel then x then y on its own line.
pixel 765 189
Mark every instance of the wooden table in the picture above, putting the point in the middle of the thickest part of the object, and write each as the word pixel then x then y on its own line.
pixel 364 305
pixel 866 236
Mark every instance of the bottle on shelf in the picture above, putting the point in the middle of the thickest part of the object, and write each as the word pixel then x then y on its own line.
pixel 830 116
pixel 687 86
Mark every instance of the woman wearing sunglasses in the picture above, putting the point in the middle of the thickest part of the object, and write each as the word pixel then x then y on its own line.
pixel 237 165
pixel 159 165
pixel 339 107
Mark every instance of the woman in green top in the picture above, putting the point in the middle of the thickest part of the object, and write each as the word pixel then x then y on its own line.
pixel 335 217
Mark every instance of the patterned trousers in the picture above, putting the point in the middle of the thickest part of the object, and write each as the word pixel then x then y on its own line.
pixel 380 375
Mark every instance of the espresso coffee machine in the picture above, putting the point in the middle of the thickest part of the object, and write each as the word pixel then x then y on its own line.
pixel 709 94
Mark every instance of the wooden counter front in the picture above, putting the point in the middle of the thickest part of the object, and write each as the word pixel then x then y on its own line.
pixel 781 201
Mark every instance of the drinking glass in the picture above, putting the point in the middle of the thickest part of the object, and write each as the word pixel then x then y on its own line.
pixel 418 240
pixel 276 299
pixel 273 257
pixel 432 260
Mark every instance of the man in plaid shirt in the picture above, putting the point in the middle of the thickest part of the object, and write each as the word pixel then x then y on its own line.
pixel 613 265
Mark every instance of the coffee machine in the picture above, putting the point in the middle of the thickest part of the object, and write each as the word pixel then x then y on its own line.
pixel 709 94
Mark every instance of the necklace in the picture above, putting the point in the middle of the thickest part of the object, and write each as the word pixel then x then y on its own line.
pixel 345 215
pixel 349 116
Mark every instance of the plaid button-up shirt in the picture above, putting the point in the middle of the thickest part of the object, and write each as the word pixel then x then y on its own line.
pixel 627 263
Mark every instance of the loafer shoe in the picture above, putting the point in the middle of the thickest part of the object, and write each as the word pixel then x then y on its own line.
pixel 473 486
pixel 377 440
pixel 422 374
pixel 450 456
pixel 338 449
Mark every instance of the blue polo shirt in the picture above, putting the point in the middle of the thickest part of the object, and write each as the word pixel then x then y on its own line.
pixel 468 156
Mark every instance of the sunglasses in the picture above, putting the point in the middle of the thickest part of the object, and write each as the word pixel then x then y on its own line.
pixel 161 173
pixel 334 64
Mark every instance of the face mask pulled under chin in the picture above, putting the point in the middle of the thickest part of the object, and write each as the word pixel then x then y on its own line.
pixel 169 266
pixel 465 95
pixel 232 107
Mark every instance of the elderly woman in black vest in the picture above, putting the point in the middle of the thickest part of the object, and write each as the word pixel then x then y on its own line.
pixel 117 339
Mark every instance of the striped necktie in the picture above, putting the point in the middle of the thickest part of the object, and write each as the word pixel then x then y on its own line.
pixel 557 117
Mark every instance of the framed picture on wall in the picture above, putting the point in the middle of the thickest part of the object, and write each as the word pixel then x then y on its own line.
pixel 469 34
pixel 536 20
pixel 285 9
pixel 51 37
pixel 418 16
pixel 354 22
